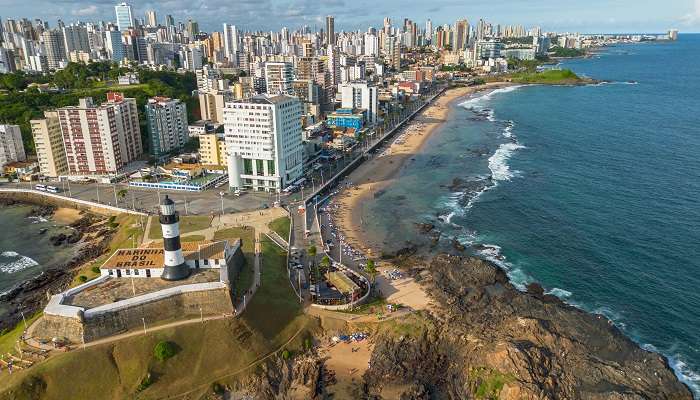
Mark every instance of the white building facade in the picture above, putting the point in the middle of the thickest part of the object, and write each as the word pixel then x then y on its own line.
pixel 264 142
pixel 11 147
pixel 361 95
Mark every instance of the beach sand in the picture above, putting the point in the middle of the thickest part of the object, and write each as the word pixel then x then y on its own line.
pixel 377 173
pixel 66 215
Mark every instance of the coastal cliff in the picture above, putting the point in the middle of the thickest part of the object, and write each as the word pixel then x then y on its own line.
pixel 489 340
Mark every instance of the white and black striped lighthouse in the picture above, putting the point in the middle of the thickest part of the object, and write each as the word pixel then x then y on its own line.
pixel 175 267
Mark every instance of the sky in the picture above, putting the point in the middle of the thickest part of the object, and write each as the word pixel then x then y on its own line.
pixel 585 16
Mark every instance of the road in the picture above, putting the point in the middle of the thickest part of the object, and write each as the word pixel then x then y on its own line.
pixel 305 232
pixel 147 200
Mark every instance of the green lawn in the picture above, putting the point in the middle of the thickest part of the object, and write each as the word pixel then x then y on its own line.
pixel 275 304
pixel 188 223
pixel 281 227
pixel 552 76
pixel 113 371
pixel 245 278
pixel 8 341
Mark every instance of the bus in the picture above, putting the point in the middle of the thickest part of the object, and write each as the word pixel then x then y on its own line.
pixel 52 189
pixel 40 187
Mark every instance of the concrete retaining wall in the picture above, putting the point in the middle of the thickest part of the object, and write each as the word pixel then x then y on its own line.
pixel 178 306
pixel 44 198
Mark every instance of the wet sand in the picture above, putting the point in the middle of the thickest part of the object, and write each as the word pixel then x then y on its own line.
pixel 376 174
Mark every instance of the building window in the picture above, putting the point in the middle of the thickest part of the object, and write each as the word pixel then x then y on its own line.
pixel 111 272
pixel 128 272
pixel 136 272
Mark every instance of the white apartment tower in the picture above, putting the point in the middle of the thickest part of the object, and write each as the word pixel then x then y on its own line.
pixel 360 95
pixel 101 140
pixel 11 147
pixel 279 77
pixel 264 142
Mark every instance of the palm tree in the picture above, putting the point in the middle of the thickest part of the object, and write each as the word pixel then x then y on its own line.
pixel 371 270
pixel 325 263
pixel 121 194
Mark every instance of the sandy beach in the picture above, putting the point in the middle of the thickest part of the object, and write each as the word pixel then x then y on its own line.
pixel 377 173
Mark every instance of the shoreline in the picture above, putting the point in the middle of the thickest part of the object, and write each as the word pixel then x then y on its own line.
pixel 376 174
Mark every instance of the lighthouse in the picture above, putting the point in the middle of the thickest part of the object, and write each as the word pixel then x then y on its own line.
pixel 175 267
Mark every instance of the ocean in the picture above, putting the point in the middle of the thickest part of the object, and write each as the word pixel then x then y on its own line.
pixel 24 252
pixel 591 191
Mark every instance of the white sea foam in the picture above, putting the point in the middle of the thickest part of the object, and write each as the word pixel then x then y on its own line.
pixel 517 276
pixel 685 374
pixel 498 162
pixel 19 263
pixel 561 293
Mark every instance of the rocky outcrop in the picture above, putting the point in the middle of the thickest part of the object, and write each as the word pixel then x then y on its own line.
pixel 280 379
pixel 492 340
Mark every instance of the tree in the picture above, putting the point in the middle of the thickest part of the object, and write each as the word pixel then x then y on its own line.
pixel 371 270
pixel 121 193
pixel 164 350
pixel 311 251
pixel 325 263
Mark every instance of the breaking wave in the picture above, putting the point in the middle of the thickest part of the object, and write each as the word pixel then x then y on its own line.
pixel 16 263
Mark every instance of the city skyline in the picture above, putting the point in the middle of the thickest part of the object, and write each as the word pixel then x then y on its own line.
pixel 596 16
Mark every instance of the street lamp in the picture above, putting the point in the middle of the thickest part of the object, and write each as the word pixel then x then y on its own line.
pixel 221 194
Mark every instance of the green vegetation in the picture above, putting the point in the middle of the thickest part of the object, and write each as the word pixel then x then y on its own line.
pixel 217 351
pixel 558 51
pixel 455 68
pixel 245 277
pixel 527 65
pixel 8 339
pixel 413 325
pixel 371 270
pixel 145 382
pixel 281 227
pixel 22 103
pixel 551 77
pixel 165 350
pixel 188 223
pixel 275 295
pixel 488 382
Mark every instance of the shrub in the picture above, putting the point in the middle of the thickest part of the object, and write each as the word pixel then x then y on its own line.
pixel 218 388
pixel 308 344
pixel 286 354
pixel 82 278
pixel 145 383
pixel 95 269
pixel 164 350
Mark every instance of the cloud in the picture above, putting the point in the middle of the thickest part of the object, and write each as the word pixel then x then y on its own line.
pixel 89 10
pixel 693 17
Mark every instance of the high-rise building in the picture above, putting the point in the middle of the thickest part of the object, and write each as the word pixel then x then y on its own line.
pixel 167 125
pixel 264 142
pixel 75 38
pixel 231 42
pixel 461 35
pixel 11 146
pixel 55 48
pixel 48 144
pixel 211 104
pixel 169 20
pixel 330 31
pixel 151 18
pixel 101 139
pixel 278 77
pixel 429 29
pixel 114 46
pixel 361 96
pixel 125 18
pixel 212 149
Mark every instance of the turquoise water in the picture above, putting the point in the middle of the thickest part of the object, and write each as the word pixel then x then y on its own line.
pixel 593 191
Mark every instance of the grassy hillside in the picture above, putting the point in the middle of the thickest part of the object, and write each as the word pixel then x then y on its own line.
pixel 220 351
pixel 550 77
pixel 281 227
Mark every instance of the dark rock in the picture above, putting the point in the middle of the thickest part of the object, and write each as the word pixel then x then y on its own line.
pixel 425 227
pixel 487 331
